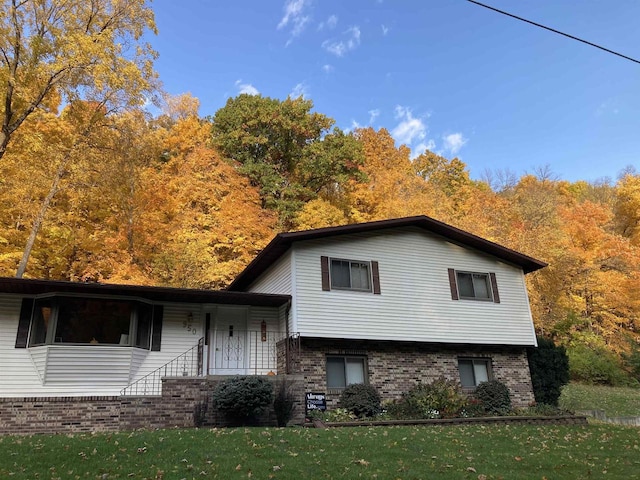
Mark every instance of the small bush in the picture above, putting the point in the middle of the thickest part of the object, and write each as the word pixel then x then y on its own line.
pixel 439 399
pixel 283 404
pixel 549 366
pixel 545 410
pixel 595 366
pixel 361 400
pixel 494 397
pixel 243 399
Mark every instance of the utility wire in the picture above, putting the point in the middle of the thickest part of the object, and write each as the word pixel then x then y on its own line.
pixel 554 31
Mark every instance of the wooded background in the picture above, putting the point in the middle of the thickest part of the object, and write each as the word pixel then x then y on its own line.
pixel 95 188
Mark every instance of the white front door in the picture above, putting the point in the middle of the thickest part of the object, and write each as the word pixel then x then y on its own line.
pixel 229 332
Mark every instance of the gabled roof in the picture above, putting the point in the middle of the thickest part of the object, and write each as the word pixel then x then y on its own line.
pixel 30 287
pixel 283 241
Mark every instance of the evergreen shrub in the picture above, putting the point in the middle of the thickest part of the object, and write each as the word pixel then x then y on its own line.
pixel 243 399
pixel 494 397
pixel 361 400
pixel 549 366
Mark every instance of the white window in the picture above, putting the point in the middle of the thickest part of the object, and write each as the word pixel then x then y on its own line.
pixel 473 371
pixel 90 321
pixel 350 274
pixel 475 286
pixel 343 371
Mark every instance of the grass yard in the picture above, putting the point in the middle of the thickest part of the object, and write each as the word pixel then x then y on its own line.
pixel 615 401
pixel 434 452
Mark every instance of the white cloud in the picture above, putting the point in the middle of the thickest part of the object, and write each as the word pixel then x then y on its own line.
pixel 340 47
pixel 411 131
pixel 300 90
pixel 295 17
pixel 246 88
pixel 454 142
pixel 410 128
pixel 373 114
pixel 422 147
pixel 330 23
pixel 385 30
pixel 326 68
pixel 354 125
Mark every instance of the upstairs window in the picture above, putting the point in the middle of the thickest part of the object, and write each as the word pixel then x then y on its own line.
pixel 350 274
pixel 344 274
pixel 473 286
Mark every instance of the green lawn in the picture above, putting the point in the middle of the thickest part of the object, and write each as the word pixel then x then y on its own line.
pixel 615 401
pixel 467 452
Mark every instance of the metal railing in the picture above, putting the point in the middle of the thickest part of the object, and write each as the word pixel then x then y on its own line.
pixel 185 365
pixel 244 352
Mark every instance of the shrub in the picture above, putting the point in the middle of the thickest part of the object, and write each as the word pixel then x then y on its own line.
pixel 243 399
pixel 494 397
pixel 283 404
pixel 361 400
pixel 439 399
pixel 549 366
pixel 595 366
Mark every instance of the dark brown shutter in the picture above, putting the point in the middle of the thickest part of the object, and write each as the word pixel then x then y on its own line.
pixel 25 321
pixel 324 267
pixel 156 335
pixel 494 287
pixel 375 274
pixel 452 284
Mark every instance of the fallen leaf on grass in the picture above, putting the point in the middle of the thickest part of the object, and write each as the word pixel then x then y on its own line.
pixel 362 461
pixel 471 469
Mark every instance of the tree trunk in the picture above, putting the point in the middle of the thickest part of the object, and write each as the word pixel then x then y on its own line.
pixel 37 223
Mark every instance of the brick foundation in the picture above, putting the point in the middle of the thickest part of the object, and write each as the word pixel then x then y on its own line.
pixel 185 402
pixel 394 367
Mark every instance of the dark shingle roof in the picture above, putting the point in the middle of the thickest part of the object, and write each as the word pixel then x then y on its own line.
pixel 24 286
pixel 282 242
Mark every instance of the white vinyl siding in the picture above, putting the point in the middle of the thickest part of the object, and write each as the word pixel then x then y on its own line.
pixel 277 279
pixel 88 370
pixel 415 304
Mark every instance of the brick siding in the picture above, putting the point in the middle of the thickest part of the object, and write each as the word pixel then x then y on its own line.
pixel 185 402
pixel 394 367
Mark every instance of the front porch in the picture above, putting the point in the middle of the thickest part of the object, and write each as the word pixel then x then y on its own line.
pixel 224 353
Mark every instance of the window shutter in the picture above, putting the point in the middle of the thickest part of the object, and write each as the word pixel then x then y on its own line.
pixel 24 323
pixel 375 274
pixel 156 334
pixel 452 284
pixel 324 267
pixel 494 287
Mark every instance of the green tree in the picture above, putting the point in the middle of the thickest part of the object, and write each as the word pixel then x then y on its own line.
pixel 289 152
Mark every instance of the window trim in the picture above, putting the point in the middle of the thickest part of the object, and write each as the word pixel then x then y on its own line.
pixel 373 271
pixel 485 360
pixel 365 369
pixel 492 283
pixel 28 313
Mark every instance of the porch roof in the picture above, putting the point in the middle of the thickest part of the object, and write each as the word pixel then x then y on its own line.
pixel 28 287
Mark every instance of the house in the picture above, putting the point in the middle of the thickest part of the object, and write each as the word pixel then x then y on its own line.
pixel 401 301
pixel 390 303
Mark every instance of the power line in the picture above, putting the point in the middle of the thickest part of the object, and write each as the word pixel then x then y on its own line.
pixel 554 31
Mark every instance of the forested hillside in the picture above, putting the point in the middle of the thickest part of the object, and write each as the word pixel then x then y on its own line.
pixel 94 188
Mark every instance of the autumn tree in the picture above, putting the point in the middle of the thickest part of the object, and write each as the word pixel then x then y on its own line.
pixel 289 152
pixel 52 49
pixel 203 222
pixel 392 188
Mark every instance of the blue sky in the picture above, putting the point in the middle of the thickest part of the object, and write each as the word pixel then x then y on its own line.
pixel 440 74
